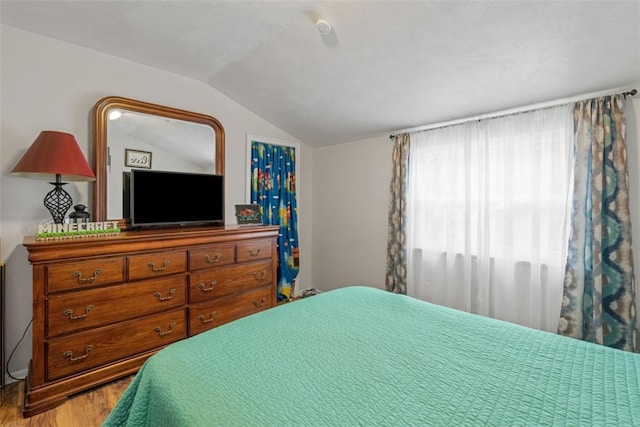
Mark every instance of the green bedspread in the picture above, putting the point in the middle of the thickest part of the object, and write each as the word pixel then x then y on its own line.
pixel 362 356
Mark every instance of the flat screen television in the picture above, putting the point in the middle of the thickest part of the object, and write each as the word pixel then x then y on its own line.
pixel 163 198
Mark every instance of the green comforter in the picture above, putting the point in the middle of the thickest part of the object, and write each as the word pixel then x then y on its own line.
pixel 362 356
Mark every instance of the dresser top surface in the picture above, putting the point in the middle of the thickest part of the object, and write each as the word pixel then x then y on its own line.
pixel 151 233
pixel 141 240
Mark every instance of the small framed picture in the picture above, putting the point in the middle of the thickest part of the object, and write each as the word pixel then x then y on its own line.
pixel 248 214
pixel 137 159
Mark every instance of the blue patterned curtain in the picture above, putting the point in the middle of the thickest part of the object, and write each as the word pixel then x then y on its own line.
pixel 273 178
pixel 599 301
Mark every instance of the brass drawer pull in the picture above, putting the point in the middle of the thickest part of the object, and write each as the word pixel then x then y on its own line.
pixel 217 257
pixel 262 302
pixel 254 253
pixel 69 313
pixel 69 354
pixel 259 276
pixel 158 329
pixel 161 298
pixel 202 285
pixel 210 319
pixel 82 280
pixel 155 269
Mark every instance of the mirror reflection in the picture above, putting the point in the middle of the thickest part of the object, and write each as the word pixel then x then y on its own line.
pixel 152 142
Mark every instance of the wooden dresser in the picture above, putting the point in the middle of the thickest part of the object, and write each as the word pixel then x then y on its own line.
pixel 102 306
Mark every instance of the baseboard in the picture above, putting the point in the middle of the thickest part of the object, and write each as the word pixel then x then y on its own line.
pixel 17 374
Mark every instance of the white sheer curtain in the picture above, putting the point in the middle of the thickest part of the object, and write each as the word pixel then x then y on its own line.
pixel 487 207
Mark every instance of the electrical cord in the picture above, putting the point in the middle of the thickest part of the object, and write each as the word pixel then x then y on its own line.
pixel 6 367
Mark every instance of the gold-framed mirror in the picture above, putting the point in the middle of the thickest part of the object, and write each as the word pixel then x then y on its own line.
pixel 128 133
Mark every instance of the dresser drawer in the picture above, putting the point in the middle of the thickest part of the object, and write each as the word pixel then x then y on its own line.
pixel 76 311
pixel 211 256
pixel 157 264
pixel 69 355
pixel 250 251
pixel 84 274
pixel 204 285
pixel 225 310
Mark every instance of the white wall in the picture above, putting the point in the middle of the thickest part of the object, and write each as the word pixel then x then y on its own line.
pixel 47 84
pixel 350 199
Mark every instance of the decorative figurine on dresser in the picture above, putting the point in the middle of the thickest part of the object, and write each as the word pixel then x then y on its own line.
pixel 109 294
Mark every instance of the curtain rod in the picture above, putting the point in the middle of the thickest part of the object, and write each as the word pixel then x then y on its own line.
pixel 621 91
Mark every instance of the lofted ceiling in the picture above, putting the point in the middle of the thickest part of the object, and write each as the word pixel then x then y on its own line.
pixel 384 66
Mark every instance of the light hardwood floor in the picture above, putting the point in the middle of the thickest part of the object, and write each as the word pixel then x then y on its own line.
pixel 87 409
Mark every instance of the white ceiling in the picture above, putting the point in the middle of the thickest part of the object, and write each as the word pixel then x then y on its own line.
pixel 385 66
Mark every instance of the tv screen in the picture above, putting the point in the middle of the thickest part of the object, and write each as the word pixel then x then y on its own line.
pixel 162 198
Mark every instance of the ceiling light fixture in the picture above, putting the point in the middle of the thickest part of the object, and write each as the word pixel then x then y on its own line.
pixel 323 26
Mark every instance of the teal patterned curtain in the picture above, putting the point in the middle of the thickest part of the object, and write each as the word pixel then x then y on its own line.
pixel 396 275
pixel 599 301
pixel 273 178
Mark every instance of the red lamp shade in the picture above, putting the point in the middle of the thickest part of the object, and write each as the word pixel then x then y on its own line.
pixel 54 153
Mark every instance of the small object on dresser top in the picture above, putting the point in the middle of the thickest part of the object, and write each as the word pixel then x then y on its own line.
pixel 77 230
pixel 248 214
pixel 79 214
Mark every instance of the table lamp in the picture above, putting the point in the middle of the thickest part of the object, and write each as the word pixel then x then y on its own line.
pixel 55 154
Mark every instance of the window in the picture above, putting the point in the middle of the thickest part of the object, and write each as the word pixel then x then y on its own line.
pixel 487 207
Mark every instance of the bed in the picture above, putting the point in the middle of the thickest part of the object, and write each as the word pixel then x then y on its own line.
pixel 363 356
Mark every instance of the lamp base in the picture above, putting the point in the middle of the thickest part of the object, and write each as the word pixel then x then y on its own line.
pixel 58 201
